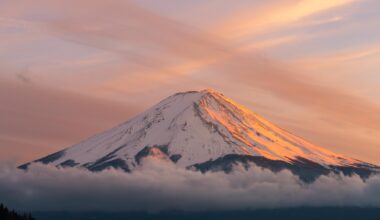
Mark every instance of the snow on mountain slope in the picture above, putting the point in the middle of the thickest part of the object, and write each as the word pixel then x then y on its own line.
pixel 193 128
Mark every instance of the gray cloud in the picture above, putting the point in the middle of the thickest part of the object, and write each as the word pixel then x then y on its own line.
pixel 23 77
pixel 159 185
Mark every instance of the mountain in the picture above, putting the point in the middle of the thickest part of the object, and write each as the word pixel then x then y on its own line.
pixel 204 130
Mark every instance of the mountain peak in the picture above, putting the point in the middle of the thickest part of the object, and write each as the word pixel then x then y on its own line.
pixel 182 100
pixel 198 93
pixel 210 91
pixel 192 128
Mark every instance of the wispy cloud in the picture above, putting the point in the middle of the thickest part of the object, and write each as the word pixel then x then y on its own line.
pixel 274 15
pixel 142 28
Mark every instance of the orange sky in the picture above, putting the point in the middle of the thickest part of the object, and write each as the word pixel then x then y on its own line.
pixel 73 68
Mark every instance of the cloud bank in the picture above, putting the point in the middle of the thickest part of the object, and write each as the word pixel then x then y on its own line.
pixel 158 186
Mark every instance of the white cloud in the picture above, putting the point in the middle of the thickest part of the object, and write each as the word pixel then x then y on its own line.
pixel 161 186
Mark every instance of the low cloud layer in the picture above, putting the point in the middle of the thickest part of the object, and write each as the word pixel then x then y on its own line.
pixel 161 186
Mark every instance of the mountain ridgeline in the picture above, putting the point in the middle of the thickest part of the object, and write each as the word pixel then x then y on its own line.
pixel 206 131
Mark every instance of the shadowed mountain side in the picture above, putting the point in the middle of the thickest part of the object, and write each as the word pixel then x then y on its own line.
pixel 306 170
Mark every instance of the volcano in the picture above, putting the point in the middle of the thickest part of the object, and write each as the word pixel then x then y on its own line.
pixel 206 131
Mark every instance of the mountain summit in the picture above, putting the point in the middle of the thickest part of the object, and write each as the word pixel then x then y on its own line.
pixel 207 131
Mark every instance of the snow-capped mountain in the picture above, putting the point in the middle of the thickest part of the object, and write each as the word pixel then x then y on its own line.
pixel 207 131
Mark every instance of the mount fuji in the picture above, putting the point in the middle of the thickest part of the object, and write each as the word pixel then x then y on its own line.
pixel 206 131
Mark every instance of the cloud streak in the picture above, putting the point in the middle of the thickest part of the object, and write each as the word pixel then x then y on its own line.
pixel 275 15
pixel 165 46
pixel 158 186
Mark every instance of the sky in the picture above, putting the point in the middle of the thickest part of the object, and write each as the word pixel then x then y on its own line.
pixel 70 69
